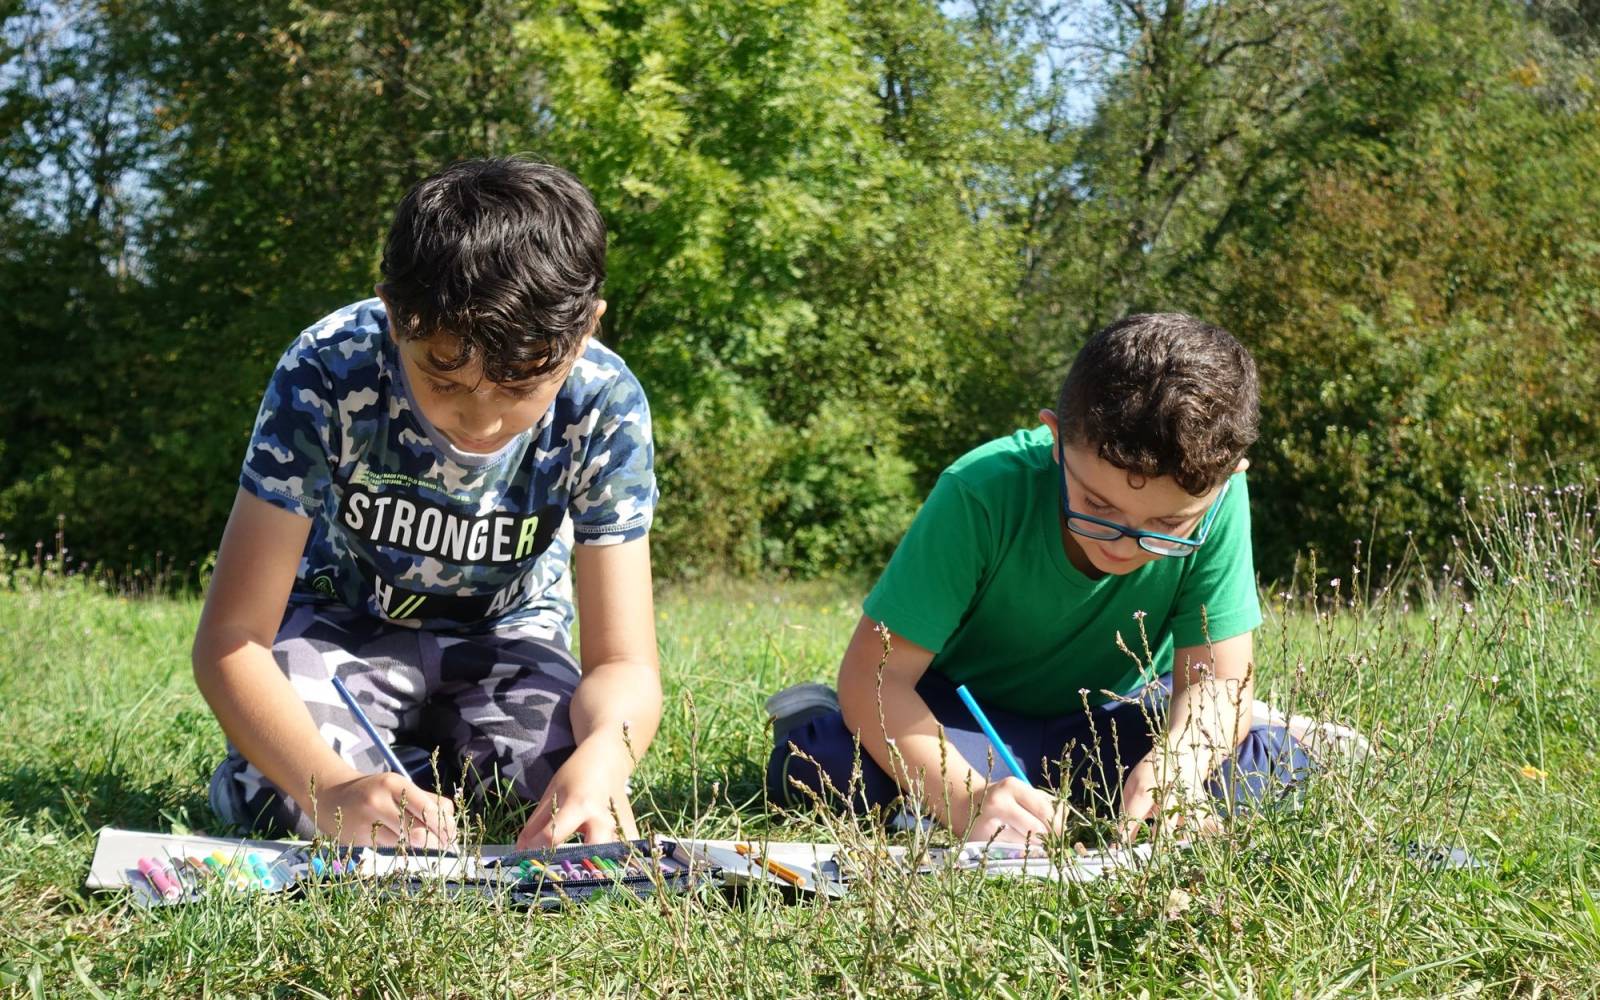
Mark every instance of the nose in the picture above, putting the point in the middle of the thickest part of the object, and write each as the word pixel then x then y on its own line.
pixel 478 415
pixel 1125 547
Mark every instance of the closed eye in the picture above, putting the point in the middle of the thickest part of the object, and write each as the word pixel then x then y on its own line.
pixel 443 388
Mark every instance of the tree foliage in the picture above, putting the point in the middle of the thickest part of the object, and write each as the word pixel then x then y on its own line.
pixel 849 239
pixel 1425 316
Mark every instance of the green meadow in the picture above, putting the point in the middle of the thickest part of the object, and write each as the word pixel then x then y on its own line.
pixel 1476 681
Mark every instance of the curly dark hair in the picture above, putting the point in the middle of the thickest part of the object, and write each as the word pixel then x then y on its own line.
pixel 506 256
pixel 1163 394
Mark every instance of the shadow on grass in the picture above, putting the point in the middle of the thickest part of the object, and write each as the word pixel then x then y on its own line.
pixel 89 800
pixel 107 795
pixel 728 784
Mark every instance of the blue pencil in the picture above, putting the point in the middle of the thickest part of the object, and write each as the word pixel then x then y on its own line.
pixel 994 737
pixel 361 717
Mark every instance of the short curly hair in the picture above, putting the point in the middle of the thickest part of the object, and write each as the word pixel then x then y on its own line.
pixel 506 256
pixel 1163 394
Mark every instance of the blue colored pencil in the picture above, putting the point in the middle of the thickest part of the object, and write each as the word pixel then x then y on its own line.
pixel 994 737
pixel 361 717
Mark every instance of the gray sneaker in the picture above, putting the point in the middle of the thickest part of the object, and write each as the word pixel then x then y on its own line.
pixel 795 706
pixel 226 797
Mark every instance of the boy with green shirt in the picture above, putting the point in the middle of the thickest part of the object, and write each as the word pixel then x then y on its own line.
pixel 1091 583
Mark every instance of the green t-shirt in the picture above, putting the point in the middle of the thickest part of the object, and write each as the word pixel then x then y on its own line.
pixel 981 579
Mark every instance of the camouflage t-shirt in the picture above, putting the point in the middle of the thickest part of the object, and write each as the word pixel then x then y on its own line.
pixel 410 529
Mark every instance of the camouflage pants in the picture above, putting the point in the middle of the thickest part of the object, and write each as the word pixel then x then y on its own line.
pixel 493 705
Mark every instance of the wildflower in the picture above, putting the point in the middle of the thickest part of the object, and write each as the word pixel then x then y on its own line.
pixel 1529 771
pixel 1178 902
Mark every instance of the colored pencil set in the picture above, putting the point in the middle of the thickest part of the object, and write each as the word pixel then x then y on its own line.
pixel 595 868
pixel 173 879
pixel 553 876
pixel 545 879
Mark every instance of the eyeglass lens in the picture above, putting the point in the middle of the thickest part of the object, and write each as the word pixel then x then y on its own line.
pixel 1103 533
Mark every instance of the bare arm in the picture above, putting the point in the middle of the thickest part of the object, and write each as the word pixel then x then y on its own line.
pixel 617 706
pixel 1213 691
pixel 948 785
pixel 233 664
pixel 254 702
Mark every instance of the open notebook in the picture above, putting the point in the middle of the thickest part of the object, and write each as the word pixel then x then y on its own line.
pixel 807 868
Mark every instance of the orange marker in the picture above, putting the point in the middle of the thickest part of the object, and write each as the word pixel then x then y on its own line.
pixel 789 875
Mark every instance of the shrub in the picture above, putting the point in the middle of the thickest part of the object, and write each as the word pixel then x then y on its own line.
pixel 843 496
pixel 1422 322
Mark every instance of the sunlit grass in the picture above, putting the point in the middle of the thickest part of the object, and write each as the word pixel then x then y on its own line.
pixel 1480 691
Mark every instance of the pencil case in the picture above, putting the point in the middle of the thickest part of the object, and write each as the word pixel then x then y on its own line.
pixel 578 872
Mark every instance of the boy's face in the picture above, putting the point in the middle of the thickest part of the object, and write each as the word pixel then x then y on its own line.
pixel 478 416
pixel 1098 488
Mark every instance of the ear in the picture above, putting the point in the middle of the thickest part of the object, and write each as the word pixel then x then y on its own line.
pixel 594 327
pixel 1050 420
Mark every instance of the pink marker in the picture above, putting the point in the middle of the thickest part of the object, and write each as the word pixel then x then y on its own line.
pixel 157 875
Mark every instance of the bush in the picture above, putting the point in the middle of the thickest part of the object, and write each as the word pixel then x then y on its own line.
pixel 1417 334
pixel 714 456
pixel 843 496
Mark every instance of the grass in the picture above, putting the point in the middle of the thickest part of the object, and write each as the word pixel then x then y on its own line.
pixel 1483 697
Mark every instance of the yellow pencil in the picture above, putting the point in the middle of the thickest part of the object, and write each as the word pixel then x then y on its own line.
pixel 789 875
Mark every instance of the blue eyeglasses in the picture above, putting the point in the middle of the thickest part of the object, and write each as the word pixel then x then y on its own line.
pixel 1151 541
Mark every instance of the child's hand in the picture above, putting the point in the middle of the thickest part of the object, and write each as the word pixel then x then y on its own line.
pixel 1167 794
pixel 580 801
pixel 1008 810
pixel 381 810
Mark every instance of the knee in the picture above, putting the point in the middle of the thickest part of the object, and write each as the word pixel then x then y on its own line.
pixel 814 762
pixel 243 798
pixel 1267 764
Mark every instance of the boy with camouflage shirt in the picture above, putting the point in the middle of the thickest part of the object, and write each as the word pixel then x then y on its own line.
pixel 1091 583
pixel 424 466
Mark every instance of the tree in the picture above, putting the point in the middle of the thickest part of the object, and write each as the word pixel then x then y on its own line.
pixel 1426 316
pixel 779 260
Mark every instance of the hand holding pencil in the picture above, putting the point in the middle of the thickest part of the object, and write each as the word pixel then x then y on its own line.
pixel 1009 808
pixel 387 808
pixel 384 810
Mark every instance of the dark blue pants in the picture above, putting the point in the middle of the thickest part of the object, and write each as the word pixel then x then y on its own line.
pixel 1083 754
